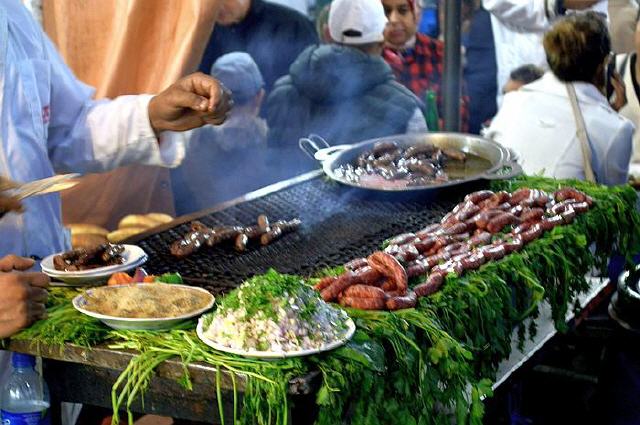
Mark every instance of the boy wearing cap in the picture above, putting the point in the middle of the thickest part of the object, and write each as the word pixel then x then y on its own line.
pixel 227 161
pixel 343 91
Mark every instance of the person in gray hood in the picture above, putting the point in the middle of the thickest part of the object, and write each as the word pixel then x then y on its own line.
pixel 344 92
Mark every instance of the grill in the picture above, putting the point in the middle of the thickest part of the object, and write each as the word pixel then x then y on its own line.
pixel 338 224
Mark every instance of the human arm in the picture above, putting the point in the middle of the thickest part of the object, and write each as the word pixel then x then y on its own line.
pixel 618 156
pixel 22 294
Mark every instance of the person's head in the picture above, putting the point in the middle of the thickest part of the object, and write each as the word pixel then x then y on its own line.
pixel 522 76
pixel 402 25
pixel 232 11
pixel 240 74
pixel 358 23
pixel 578 48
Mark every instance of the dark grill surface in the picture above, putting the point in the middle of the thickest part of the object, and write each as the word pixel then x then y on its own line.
pixel 338 224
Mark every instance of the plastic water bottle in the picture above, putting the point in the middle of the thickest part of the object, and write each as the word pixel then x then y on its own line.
pixel 24 399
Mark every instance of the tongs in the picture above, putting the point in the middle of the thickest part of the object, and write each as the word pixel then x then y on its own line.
pixel 52 184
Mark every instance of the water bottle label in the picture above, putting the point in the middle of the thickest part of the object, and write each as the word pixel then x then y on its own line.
pixel 37 418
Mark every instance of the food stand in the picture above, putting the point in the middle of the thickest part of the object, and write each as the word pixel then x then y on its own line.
pixel 430 363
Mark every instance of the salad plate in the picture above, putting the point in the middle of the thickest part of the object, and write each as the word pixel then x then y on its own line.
pixel 348 334
pixel 144 306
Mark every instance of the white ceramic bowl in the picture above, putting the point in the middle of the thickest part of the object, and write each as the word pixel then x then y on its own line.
pixel 160 323
pixel 351 328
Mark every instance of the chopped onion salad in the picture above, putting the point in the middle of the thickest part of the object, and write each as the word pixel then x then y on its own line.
pixel 276 313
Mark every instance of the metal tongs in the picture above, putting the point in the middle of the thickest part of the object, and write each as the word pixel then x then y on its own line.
pixel 52 184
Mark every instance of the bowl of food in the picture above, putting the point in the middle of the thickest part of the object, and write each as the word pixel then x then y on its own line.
pixel 275 316
pixel 144 306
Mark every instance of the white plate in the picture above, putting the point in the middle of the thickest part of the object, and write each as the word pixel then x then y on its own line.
pixel 95 279
pixel 133 257
pixel 142 323
pixel 351 328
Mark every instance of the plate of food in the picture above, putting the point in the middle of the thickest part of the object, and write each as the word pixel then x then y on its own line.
pixel 144 306
pixel 275 316
pixel 92 265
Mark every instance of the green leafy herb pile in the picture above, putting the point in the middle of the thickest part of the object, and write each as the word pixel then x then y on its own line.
pixel 419 366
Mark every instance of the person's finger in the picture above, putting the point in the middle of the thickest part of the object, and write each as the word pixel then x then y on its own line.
pixel 202 85
pixel 38 295
pixel 36 279
pixel 186 99
pixel 36 311
pixel 14 262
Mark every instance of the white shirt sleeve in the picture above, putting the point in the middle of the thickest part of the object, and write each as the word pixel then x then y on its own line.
pixel 85 135
pixel 528 15
pixel 617 157
pixel 417 123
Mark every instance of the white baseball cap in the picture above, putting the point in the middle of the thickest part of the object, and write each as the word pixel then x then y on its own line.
pixel 357 21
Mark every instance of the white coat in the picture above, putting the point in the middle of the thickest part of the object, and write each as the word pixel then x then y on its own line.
pixel 537 123
pixel 50 124
pixel 518 27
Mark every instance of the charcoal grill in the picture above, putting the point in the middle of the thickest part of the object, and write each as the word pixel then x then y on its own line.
pixel 339 223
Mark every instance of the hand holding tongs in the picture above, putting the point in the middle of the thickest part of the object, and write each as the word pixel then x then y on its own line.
pixel 11 193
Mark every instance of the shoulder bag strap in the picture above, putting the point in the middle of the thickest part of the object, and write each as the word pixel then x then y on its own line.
pixel 581 131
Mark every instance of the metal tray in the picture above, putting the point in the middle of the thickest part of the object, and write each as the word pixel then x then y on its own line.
pixel 502 163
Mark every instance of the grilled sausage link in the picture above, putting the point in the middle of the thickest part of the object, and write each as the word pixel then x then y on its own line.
pixel 401 302
pixel 363 303
pixel 388 266
pixel 363 291
pixel 430 285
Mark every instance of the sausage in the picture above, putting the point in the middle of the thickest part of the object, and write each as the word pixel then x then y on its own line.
pixel 568 215
pixel 473 261
pixel 428 231
pixel 532 234
pixel 467 212
pixel 402 239
pixel 519 195
pixel 569 193
pixel 332 291
pixel 515 244
pixel 462 206
pixel 482 219
pixel 522 227
pixel 430 285
pixel 481 238
pixel 363 303
pixel 422 167
pixel 419 149
pixel 271 235
pixel 580 207
pixel 542 199
pixel 497 223
pixel 454 247
pixel 363 291
pixel 425 244
pixel 434 260
pixel 398 303
pixel 356 264
pixel 549 223
pixel 406 253
pixel 517 210
pixel 252 232
pixel 495 200
pixel 479 196
pixel 192 242
pixel 561 207
pixel 449 220
pixel 263 223
pixel 388 266
pixel 392 249
pixel 448 267
pixel 417 268
pixel 437 246
pixel 460 237
pixel 454 229
pixel 494 252
pixel 324 282
pixel 534 214
pixel 366 275
pixel 454 154
pixel 390 285
pixel 241 242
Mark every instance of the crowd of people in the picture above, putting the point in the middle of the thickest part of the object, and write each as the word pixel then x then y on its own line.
pixel 537 79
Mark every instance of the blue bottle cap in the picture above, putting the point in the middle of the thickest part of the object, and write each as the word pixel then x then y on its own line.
pixel 22 360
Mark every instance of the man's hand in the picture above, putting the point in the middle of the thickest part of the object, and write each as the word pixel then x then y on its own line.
pixel 191 102
pixel 619 92
pixel 22 295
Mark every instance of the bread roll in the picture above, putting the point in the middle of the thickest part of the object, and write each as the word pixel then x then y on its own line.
pixel 137 220
pixel 124 233
pixel 161 217
pixel 87 229
pixel 87 240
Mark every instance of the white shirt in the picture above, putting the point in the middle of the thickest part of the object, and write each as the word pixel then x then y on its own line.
pixel 632 109
pixel 537 123
pixel 50 124
pixel 518 28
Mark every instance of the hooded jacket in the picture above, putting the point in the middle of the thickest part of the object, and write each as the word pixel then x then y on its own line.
pixel 339 93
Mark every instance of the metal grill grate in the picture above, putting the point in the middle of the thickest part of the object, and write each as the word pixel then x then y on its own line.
pixel 338 224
